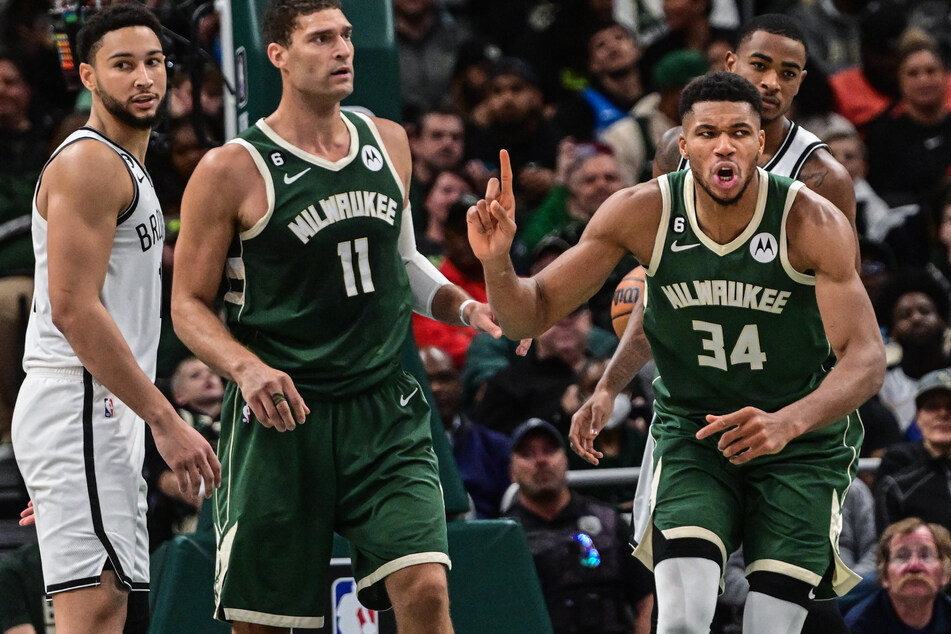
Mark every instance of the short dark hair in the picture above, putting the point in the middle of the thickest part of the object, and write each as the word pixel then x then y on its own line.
pixel 720 86
pixel 280 17
pixel 775 23
pixel 909 281
pixel 113 18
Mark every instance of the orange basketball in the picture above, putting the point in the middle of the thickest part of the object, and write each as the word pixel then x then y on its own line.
pixel 628 294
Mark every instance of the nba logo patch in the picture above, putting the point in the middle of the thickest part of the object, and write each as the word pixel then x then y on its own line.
pixel 246 414
pixel 109 409
pixel 349 617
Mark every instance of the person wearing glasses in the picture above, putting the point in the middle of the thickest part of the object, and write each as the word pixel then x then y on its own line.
pixel 914 567
pixel 590 582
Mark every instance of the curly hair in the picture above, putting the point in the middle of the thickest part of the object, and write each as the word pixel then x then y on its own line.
pixel 720 86
pixel 280 17
pixel 112 18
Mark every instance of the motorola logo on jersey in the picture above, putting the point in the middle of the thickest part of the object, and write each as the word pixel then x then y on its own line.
pixel 764 248
pixel 372 158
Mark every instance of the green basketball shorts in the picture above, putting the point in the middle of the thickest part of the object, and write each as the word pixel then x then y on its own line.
pixel 785 509
pixel 362 466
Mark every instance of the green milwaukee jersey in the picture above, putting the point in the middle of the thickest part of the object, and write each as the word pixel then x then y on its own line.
pixel 317 288
pixel 731 325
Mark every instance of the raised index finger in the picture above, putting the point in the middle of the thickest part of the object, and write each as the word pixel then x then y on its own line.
pixel 506 197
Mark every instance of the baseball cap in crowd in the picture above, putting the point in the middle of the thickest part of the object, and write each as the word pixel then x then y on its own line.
pixel 677 68
pixel 932 382
pixel 517 67
pixel 535 426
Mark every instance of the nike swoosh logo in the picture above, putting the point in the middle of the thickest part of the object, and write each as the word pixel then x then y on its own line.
pixel 682 247
pixel 141 178
pixel 405 399
pixel 290 179
pixel 812 593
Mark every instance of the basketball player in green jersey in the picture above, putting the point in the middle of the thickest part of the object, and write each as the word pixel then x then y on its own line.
pixel 752 284
pixel 306 215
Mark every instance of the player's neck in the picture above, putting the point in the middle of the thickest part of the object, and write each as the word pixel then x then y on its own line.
pixel 720 222
pixel 776 131
pixel 133 140
pixel 320 131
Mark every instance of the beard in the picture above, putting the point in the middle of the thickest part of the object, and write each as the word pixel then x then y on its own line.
pixel 722 201
pixel 114 107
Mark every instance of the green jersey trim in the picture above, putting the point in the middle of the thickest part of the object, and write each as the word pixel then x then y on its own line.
pixel 660 240
pixel 796 276
pixel 258 226
pixel 746 234
pixel 333 166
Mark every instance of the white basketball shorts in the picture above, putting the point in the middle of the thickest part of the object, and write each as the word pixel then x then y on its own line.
pixel 80 450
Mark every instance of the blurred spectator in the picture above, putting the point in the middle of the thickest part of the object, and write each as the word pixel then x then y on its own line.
pixel 611 87
pixel 587 175
pixel 427 39
pixel 532 386
pixel 645 18
pixel 912 479
pixel 688 27
pixel 909 148
pixel 874 218
pixel 470 80
pixel 461 267
pixel 634 138
pixel 436 144
pixel 832 29
pixel 814 107
pixel 481 455
pixel 175 156
pixel 590 581
pixel 448 186
pixel 518 125
pixel 865 91
pixel 913 310
pixel 940 232
pixel 196 392
pixel 878 264
pixel 914 563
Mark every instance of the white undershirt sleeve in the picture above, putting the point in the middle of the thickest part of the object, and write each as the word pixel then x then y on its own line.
pixel 424 278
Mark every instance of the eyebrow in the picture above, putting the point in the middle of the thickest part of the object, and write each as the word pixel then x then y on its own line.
pixel 331 31
pixel 733 126
pixel 767 58
pixel 157 51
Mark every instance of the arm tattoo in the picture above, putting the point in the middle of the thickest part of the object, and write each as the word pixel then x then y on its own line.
pixel 814 178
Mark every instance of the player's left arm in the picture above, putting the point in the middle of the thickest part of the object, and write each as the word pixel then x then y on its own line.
pixel 433 295
pixel 823 174
pixel 820 241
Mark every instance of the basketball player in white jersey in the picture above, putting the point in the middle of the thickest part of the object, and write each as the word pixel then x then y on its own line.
pixel 92 340
pixel 770 53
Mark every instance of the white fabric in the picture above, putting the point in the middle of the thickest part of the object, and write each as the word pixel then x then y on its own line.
pixel 768 615
pixel 687 590
pixel 424 278
pixel 132 291
pixel 60 454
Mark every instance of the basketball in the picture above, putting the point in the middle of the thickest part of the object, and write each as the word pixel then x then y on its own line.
pixel 628 294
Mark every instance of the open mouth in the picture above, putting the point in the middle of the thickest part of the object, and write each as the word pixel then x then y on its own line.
pixel 726 176
pixel 343 72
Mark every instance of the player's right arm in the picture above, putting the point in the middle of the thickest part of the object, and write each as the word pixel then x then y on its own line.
pixel 526 307
pixel 225 195
pixel 81 217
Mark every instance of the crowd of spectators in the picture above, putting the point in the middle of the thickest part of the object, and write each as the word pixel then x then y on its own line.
pixel 580 93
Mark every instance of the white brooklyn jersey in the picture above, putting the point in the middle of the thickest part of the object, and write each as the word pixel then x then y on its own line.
pixel 132 292
pixel 792 154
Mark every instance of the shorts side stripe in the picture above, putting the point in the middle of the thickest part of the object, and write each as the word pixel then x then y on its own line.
pixel 89 460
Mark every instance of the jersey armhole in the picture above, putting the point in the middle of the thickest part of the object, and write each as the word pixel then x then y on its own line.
pixel 794 275
pixel 265 173
pixel 661 238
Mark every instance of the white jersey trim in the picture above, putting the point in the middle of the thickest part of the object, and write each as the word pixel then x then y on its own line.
pixel 746 234
pixel 319 161
pixel 259 162
pixel 794 275
pixel 662 227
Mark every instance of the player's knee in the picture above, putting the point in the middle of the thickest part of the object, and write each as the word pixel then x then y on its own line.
pixel 782 587
pixel 421 587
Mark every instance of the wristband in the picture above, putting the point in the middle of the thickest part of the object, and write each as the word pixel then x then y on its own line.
pixel 462 308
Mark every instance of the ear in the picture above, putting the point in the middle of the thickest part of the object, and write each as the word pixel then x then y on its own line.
pixel 802 78
pixel 87 74
pixel 682 143
pixel 731 60
pixel 277 54
pixel 762 141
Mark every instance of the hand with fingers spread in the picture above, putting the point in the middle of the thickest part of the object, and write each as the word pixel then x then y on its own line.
pixel 272 397
pixel 588 422
pixel 190 458
pixel 748 433
pixel 492 220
